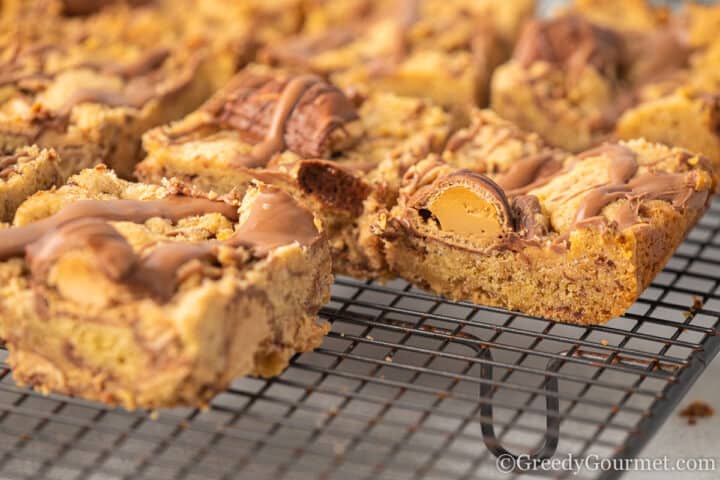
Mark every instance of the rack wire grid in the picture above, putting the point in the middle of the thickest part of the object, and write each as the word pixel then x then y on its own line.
pixel 407 385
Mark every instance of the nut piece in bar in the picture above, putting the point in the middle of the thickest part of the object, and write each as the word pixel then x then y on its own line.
pixel 336 155
pixel 578 243
pixel 141 296
pixel 442 50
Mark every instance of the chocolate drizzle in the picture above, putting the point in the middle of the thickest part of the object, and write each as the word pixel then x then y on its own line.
pixel 142 66
pixel 274 141
pixel 273 219
pixel 14 240
pixel 111 98
pixel 527 171
pixel 623 165
pixel 8 164
pixel 676 188
pixel 623 161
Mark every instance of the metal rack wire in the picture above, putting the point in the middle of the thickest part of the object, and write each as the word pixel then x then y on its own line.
pixel 406 385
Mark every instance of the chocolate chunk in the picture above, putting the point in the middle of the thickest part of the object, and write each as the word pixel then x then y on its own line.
pixel 530 221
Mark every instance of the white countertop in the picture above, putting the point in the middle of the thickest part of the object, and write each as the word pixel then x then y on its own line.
pixel 677 439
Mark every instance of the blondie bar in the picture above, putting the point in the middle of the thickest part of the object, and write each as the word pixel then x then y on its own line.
pixel 572 238
pixel 89 86
pixel 592 74
pixel 686 118
pixel 570 78
pixel 444 50
pixel 143 296
pixel 304 135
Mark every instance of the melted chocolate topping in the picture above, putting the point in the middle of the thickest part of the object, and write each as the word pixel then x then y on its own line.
pixel 274 219
pixel 526 171
pixel 111 98
pixel 14 240
pixel 623 161
pixel 142 66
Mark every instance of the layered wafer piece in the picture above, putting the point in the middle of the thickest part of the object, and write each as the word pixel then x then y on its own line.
pixel 574 238
pixel 444 50
pixel 301 133
pixel 143 296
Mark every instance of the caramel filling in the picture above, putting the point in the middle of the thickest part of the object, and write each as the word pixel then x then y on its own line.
pixel 464 208
pixel 462 211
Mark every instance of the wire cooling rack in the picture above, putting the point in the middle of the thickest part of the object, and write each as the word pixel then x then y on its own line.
pixel 407 385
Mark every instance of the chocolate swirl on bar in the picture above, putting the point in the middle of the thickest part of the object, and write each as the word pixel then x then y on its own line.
pixel 529 172
pixel 8 165
pixel 300 114
pixel 571 42
pixel 274 219
pixel 676 188
pixel 33 67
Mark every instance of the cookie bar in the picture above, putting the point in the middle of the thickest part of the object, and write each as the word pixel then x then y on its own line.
pixel 24 172
pixel 304 135
pixel 591 75
pixel 427 48
pixel 141 296
pixel 687 118
pixel 570 78
pixel 566 237
pixel 88 86
pixel 563 81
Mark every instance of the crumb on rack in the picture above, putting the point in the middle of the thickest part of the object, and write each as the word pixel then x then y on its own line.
pixel 697 409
